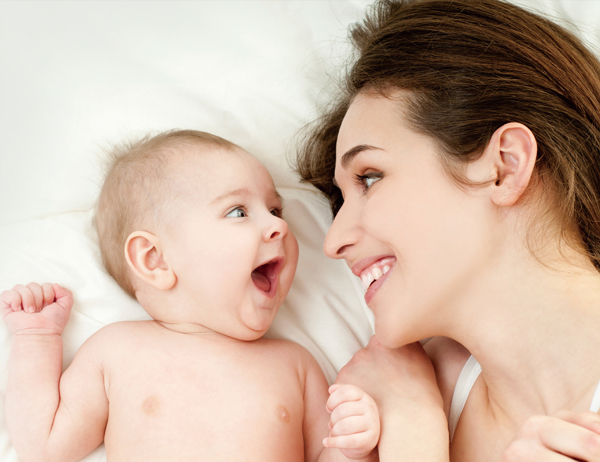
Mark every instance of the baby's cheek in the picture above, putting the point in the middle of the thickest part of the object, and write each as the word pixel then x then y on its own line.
pixel 292 250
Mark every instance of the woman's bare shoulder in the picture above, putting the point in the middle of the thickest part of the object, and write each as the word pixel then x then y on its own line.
pixel 448 358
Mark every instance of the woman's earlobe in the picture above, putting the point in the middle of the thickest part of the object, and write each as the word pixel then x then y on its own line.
pixel 514 150
pixel 144 255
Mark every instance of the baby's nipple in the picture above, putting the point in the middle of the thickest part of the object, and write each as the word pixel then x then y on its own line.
pixel 151 405
pixel 282 413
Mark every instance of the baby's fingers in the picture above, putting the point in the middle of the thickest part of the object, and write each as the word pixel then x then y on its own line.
pixel 10 299
pixel 48 294
pixel 353 441
pixel 27 298
pixel 64 297
pixel 341 394
pixel 347 409
pixel 38 295
pixel 349 425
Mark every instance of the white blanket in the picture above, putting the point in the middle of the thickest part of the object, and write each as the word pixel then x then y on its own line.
pixel 76 76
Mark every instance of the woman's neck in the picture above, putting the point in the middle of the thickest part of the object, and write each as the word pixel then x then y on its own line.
pixel 536 333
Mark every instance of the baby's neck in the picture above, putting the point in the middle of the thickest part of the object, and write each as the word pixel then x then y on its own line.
pixel 187 328
pixel 161 305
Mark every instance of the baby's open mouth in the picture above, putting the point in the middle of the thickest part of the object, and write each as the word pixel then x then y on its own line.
pixel 265 276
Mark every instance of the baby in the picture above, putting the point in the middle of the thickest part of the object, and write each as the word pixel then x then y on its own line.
pixel 190 225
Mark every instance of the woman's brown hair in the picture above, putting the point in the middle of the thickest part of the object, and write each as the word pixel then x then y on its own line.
pixel 468 67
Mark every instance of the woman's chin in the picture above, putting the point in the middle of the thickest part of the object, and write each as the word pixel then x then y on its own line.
pixel 390 337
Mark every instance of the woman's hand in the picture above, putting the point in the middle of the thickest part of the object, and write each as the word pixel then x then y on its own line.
pixel 402 383
pixel 567 436
pixel 386 373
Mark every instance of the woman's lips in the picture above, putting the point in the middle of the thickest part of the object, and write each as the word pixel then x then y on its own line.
pixel 374 287
pixel 375 274
pixel 376 270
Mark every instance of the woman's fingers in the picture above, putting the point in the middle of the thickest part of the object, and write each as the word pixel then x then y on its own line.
pixel 548 439
pixel 570 439
pixel 589 420
pixel 531 450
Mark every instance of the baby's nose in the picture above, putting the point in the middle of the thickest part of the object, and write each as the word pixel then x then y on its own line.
pixel 277 230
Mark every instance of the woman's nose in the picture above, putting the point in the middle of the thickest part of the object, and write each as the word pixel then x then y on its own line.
pixel 277 228
pixel 343 233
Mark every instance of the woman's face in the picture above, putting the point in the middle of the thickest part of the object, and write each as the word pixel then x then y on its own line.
pixel 414 238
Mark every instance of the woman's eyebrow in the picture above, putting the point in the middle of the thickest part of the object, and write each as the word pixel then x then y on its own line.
pixel 350 154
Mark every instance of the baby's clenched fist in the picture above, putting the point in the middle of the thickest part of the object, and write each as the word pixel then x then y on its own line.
pixel 35 308
pixel 354 424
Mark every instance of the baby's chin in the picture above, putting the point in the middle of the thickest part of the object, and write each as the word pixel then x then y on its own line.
pixel 257 321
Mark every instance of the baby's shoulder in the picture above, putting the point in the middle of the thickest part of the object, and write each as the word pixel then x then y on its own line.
pixel 118 334
pixel 287 350
pixel 281 346
pixel 119 329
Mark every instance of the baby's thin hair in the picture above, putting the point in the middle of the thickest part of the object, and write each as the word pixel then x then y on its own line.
pixel 134 191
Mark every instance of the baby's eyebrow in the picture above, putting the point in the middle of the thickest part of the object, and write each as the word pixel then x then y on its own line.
pixel 235 192
pixel 278 196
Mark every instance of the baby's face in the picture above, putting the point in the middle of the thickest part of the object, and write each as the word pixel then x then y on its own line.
pixel 233 255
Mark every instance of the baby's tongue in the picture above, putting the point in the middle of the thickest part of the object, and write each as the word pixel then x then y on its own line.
pixel 261 281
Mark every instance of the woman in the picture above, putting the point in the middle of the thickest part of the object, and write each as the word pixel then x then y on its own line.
pixel 462 164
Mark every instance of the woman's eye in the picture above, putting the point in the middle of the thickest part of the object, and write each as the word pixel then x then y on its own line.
pixel 237 213
pixel 366 181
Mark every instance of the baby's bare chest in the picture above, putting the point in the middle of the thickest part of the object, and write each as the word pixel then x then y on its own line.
pixel 205 404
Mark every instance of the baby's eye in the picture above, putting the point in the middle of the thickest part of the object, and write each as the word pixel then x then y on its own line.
pixel 367 180
pixel 237 212
pixel 277 213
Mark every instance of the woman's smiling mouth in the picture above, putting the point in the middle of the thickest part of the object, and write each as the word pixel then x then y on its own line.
pixel 373 271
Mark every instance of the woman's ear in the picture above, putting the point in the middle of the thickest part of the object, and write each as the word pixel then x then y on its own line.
pixel 513 152
pixel 145 257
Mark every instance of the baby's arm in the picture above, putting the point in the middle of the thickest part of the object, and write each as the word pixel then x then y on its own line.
pixel 353 425
pixel 49 417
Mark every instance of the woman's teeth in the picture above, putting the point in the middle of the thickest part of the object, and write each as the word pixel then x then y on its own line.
pixel 374 274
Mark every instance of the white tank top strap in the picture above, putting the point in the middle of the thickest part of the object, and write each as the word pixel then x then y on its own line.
pixel 466 380
pixel 595 407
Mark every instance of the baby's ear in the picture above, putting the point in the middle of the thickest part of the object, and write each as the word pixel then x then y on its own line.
pixel 144 255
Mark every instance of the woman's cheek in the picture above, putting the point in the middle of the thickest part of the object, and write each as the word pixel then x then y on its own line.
pixel 382 213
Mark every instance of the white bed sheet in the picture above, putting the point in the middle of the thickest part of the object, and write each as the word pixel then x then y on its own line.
pixel 78 75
